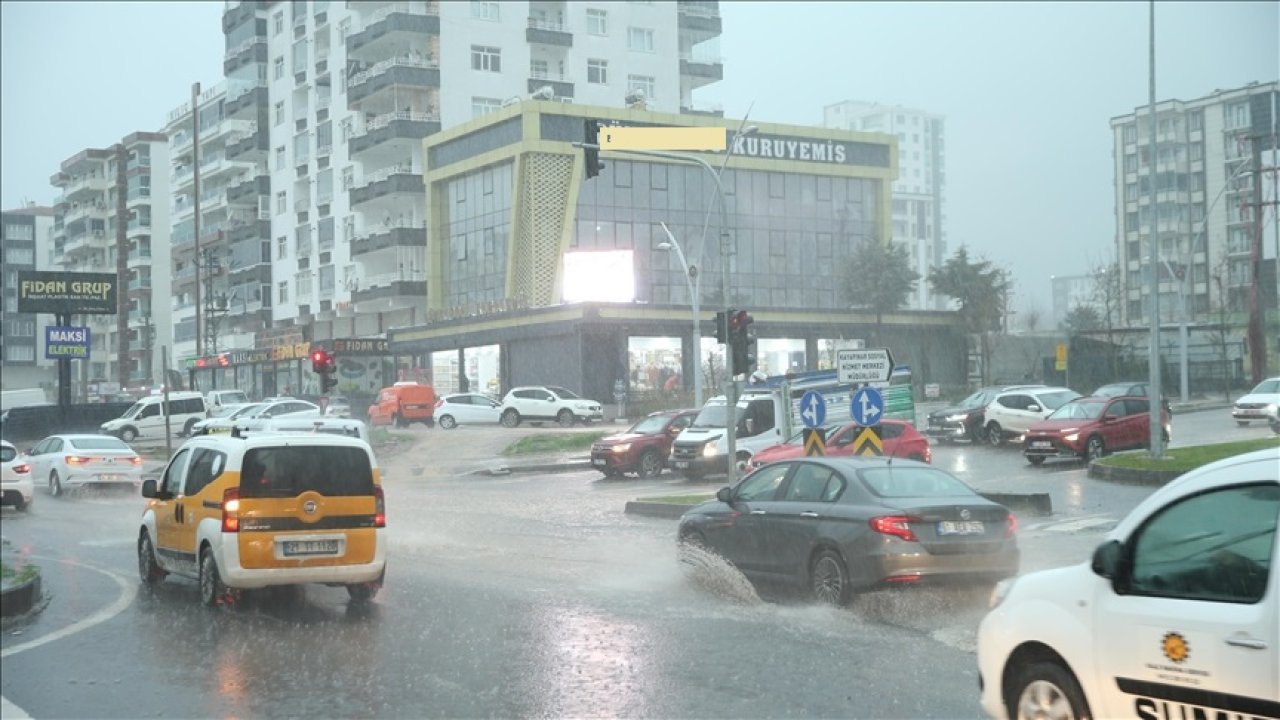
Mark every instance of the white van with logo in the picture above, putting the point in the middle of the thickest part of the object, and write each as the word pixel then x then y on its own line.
pixel 145 420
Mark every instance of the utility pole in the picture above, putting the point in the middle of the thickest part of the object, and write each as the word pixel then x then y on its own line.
pixel 148 341
pixel 214 306
pixel 1257 343
pixel 1153 356
pixel 123 359
pixel 195 194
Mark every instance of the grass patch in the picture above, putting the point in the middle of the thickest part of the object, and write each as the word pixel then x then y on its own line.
pixel 382 436
pixel 679 499
pixel 1188 458
pixel 549 443
pixel 17 574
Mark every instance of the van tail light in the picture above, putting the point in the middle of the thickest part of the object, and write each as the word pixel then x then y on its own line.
pixel 21 469
pixel 135 460
pixel 231 510
pixel 77 460
pixel 898 526
pixel 1011 526
pixel 379 508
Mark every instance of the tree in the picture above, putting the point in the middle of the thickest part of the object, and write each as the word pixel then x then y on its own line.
pixel 980 288
pixel 878 277
pixel 1031 317
pixel 1082 319
pixel 1221 310
pixel 1109 296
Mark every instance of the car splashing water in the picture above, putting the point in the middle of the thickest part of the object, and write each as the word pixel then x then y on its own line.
pixel 712 573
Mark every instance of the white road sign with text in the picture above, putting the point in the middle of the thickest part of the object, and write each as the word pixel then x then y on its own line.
pixel 864 366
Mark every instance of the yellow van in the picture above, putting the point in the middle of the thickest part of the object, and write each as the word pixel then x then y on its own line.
pixel 237 512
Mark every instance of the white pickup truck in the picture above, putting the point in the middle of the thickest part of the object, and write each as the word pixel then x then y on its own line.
pixel 221 403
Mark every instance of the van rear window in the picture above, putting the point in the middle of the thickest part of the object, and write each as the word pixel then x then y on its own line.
pixel 291 471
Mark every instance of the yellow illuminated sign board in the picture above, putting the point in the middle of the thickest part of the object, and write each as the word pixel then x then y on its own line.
pixel 711 139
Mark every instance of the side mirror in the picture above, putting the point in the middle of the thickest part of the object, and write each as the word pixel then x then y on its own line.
pixel 1106 560
pixel 1108 418
pixel 725 495
pixel 1034 408
pixel 148 488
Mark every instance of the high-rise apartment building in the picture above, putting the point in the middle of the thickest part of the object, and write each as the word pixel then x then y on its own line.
pixel 919 193
pixel 85 239
pixel 26 237
pixel 350 90
pixel 1204 209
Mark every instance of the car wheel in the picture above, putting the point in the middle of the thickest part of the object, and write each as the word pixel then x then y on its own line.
pixel 55 484
pixel 362 592
pixel 995 434
pixel 186 429
pixel 21 505
pixel 565 418
pixel 692 550
pixel 828 578
pixel 1093 449
pixel 148 570
pixel 977 434
pixel 650 464
pixel 129 434
pixel 1046 690
pixel 1036 460
pixel 1275 426
pixel 399 421
pixel 213 591
pixel 510 418
pixel 447 422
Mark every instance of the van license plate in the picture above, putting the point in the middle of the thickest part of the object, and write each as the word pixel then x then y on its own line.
pixel 682 464
pixel 1041 444
pixel 310 547
pixel 598 461
pixel 961 527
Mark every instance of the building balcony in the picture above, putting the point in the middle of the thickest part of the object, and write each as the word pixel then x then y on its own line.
pixel 392 30
pixel 701 18
pixel 84 244
pixel 240 230
pixel 382 133
pixel 86 186
pixel 390 288
pixel 247 191
pixel 139 258
pixel 259 273
pixel 378 85
pixel 249 148
pixel 245 103
pixel 79 213
pixel 562 87
pixel 702 70
pixel 253 50
pixel 408 237
pixel 388 182
pixel 545 32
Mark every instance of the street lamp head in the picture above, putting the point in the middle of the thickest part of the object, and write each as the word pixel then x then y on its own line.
pixel 749 130
pixel 664 245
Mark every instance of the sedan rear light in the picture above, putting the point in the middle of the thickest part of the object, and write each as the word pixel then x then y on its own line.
pixel 1011 526
pixel 898 526
pixel 135 460
pixel 78 460
pixel 379 508
pixel 231 510
pixel 21 469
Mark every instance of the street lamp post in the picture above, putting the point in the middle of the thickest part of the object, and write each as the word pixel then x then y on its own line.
pixel 695 291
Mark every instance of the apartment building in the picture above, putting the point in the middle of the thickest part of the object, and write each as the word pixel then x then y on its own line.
pixel 1070 292
pixel 228 256
pixel 1204 213
pixel 26 238
pixel 919 193
pixel 350 91
pixel 98 196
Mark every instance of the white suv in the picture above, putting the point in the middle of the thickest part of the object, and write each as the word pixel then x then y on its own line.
pixel 1013 412
pixel 548 402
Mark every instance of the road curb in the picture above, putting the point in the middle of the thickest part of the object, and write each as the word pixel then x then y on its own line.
pixel 1132 476
pixel 656 509
pixel 546 467
pixel 19 599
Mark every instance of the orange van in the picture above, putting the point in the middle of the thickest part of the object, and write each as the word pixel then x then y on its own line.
pixel 404 403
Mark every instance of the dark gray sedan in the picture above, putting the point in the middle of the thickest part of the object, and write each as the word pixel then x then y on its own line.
pixel 837 525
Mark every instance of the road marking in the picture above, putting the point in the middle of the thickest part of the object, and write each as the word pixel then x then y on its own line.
pixel 115 542
pixel 128 591
pixel 1075 525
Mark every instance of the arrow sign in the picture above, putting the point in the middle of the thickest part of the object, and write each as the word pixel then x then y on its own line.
pixel 864 366
pixel 867 407
pixel 815 442
pixel 813 409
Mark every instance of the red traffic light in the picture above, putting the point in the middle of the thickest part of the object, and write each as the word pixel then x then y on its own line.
pixel 740 319
pixel 318 357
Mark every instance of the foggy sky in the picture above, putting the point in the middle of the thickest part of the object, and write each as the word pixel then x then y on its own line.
pixel 1027 89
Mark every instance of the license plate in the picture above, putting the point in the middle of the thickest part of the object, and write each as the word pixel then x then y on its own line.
pixel 310 547
pixel 220 431
pixel 1041 444
pixel 108 477
pixel 961 527
pixel 598 461
pixel 682 464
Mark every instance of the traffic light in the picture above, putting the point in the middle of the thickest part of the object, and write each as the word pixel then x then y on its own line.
pixel 328 382
pixel 742 341
pixel 722 326
pixel 321 361
pixel 591 148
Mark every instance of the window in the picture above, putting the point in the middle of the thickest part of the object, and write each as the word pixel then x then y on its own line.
pixel 597 22
pixel 598 72
pixel 643 83
pixel 484 10
pixel 279 113
pixel 303 282
pixel 282 247
pixel 278 66
pixel 763 483
pixel 277 23
pixel 1187 551
pixel 640 39
pixel 19 256
pixel 490 240
pixel 484 106
pixel 280 202
pixel 19 353
pixel 282 293
pixel 486 58
pixel 206 465
pixel 810 483
pixel 1130 133
pixel 280 157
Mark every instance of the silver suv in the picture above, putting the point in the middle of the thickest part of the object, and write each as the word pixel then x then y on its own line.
pixel 540 403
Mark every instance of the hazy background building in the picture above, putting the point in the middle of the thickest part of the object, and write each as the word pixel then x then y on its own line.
pixel 25 244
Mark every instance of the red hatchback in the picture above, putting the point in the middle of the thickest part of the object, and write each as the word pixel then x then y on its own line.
pixel 901 440
pixel 1088 427
pixel 644 448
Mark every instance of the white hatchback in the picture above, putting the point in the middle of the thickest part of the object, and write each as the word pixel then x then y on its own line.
pixel 16 488
pixel 1177 615
pixel 1012 413
pixel 66 462
pixel 466 409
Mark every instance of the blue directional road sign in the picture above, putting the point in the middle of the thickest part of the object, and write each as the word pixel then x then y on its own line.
pixel 868 407
pixel 813 409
